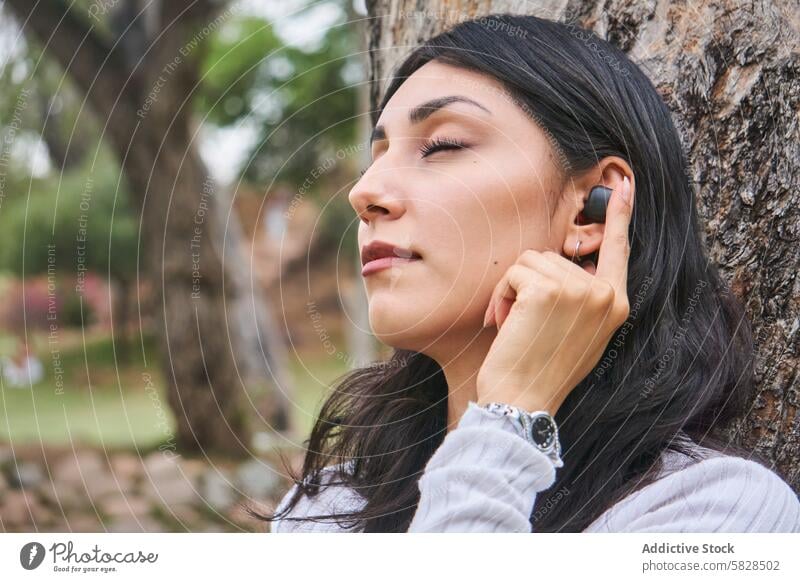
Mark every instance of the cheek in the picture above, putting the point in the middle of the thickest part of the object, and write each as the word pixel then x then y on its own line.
pixel 469 236
pixel 471 230
pixel 484 229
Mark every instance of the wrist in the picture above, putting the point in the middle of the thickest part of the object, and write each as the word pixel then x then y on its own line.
pixel 529 404
pixel 537 427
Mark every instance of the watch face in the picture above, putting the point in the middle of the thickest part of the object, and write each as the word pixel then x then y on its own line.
pixel 543 431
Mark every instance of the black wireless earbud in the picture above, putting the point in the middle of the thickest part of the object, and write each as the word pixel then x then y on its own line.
pixel 594 211
pixel 596 204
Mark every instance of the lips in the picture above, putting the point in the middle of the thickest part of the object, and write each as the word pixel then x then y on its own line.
pixel 378 255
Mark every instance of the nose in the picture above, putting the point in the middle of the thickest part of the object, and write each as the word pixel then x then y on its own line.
pixel 377 194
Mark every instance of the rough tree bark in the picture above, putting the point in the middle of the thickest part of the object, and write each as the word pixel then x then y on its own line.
pixel 728 71
pixel 141 83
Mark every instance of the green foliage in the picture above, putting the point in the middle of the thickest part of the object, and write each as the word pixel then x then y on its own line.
pixel 338 230
pixel 304 104
pixel 79 219
pixel 73 312
pixel 231 68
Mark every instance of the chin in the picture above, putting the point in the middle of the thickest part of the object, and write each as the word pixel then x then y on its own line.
pixel 395 326
pixel 418 327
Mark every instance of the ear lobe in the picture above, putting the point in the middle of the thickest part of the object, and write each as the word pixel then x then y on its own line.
pixel 590 236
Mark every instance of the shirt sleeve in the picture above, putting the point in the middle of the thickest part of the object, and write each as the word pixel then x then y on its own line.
pixel 484 477
pixel 721 494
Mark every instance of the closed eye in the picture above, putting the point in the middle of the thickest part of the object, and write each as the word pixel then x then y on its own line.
pixel 434 145
pixel 440 144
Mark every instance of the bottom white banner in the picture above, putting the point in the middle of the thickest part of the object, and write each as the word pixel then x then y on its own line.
pixel 354 557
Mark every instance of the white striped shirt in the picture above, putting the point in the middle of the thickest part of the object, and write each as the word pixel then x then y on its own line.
pixel 484 478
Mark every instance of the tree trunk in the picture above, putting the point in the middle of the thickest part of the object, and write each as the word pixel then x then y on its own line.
pixel 210 360
pixel 120 318
pixel 728 70
pixel 141 87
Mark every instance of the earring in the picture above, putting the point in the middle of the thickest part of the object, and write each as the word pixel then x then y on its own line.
pixel 577 247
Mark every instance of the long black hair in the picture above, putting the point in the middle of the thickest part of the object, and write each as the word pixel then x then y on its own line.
pixel 682 364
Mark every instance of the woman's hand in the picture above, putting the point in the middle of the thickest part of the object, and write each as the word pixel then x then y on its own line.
pixel 555 318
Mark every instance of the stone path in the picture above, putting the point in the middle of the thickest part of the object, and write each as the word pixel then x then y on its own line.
pixel 88 490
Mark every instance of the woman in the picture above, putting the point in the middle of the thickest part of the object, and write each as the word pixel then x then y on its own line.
pixel 520 322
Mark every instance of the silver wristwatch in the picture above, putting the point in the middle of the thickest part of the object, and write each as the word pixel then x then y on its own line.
pixel 538 428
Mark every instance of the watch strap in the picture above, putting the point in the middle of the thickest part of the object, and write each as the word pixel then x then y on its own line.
pixel 526 424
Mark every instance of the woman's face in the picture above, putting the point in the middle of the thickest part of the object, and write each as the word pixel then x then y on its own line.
pixel 467 211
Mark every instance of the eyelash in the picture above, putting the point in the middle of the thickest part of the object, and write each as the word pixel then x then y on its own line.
pixel 435 145
pixel 440 143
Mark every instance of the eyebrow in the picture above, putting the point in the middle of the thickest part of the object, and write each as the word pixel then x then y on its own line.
pixel 422 112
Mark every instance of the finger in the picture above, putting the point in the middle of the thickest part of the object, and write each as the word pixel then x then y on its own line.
pixel 612 264
pixel 501 293
pixel 518 277
pixel 487 315
pixel 546 262
pixel 499 289
pixel 569 268
pixel 553 267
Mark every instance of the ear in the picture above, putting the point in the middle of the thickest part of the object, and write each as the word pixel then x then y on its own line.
pixel 609 172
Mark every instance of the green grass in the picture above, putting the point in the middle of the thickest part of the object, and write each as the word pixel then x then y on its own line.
pixel 314 375
pixel 98 408
pixel 95 408
pixel 102 416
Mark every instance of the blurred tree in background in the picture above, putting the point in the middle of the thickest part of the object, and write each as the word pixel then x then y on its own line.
pixel 120 96
pixel 301 104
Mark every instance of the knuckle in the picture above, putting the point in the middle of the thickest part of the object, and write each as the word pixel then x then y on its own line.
pixel 548 291
pixel 599 301
pixel 517 270
pixel 551 254
pixel 604 292
pixel 527 256
pixel 579 292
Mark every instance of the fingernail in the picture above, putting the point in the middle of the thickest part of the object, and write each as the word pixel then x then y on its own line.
pixel 485 319
pixel 626 189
